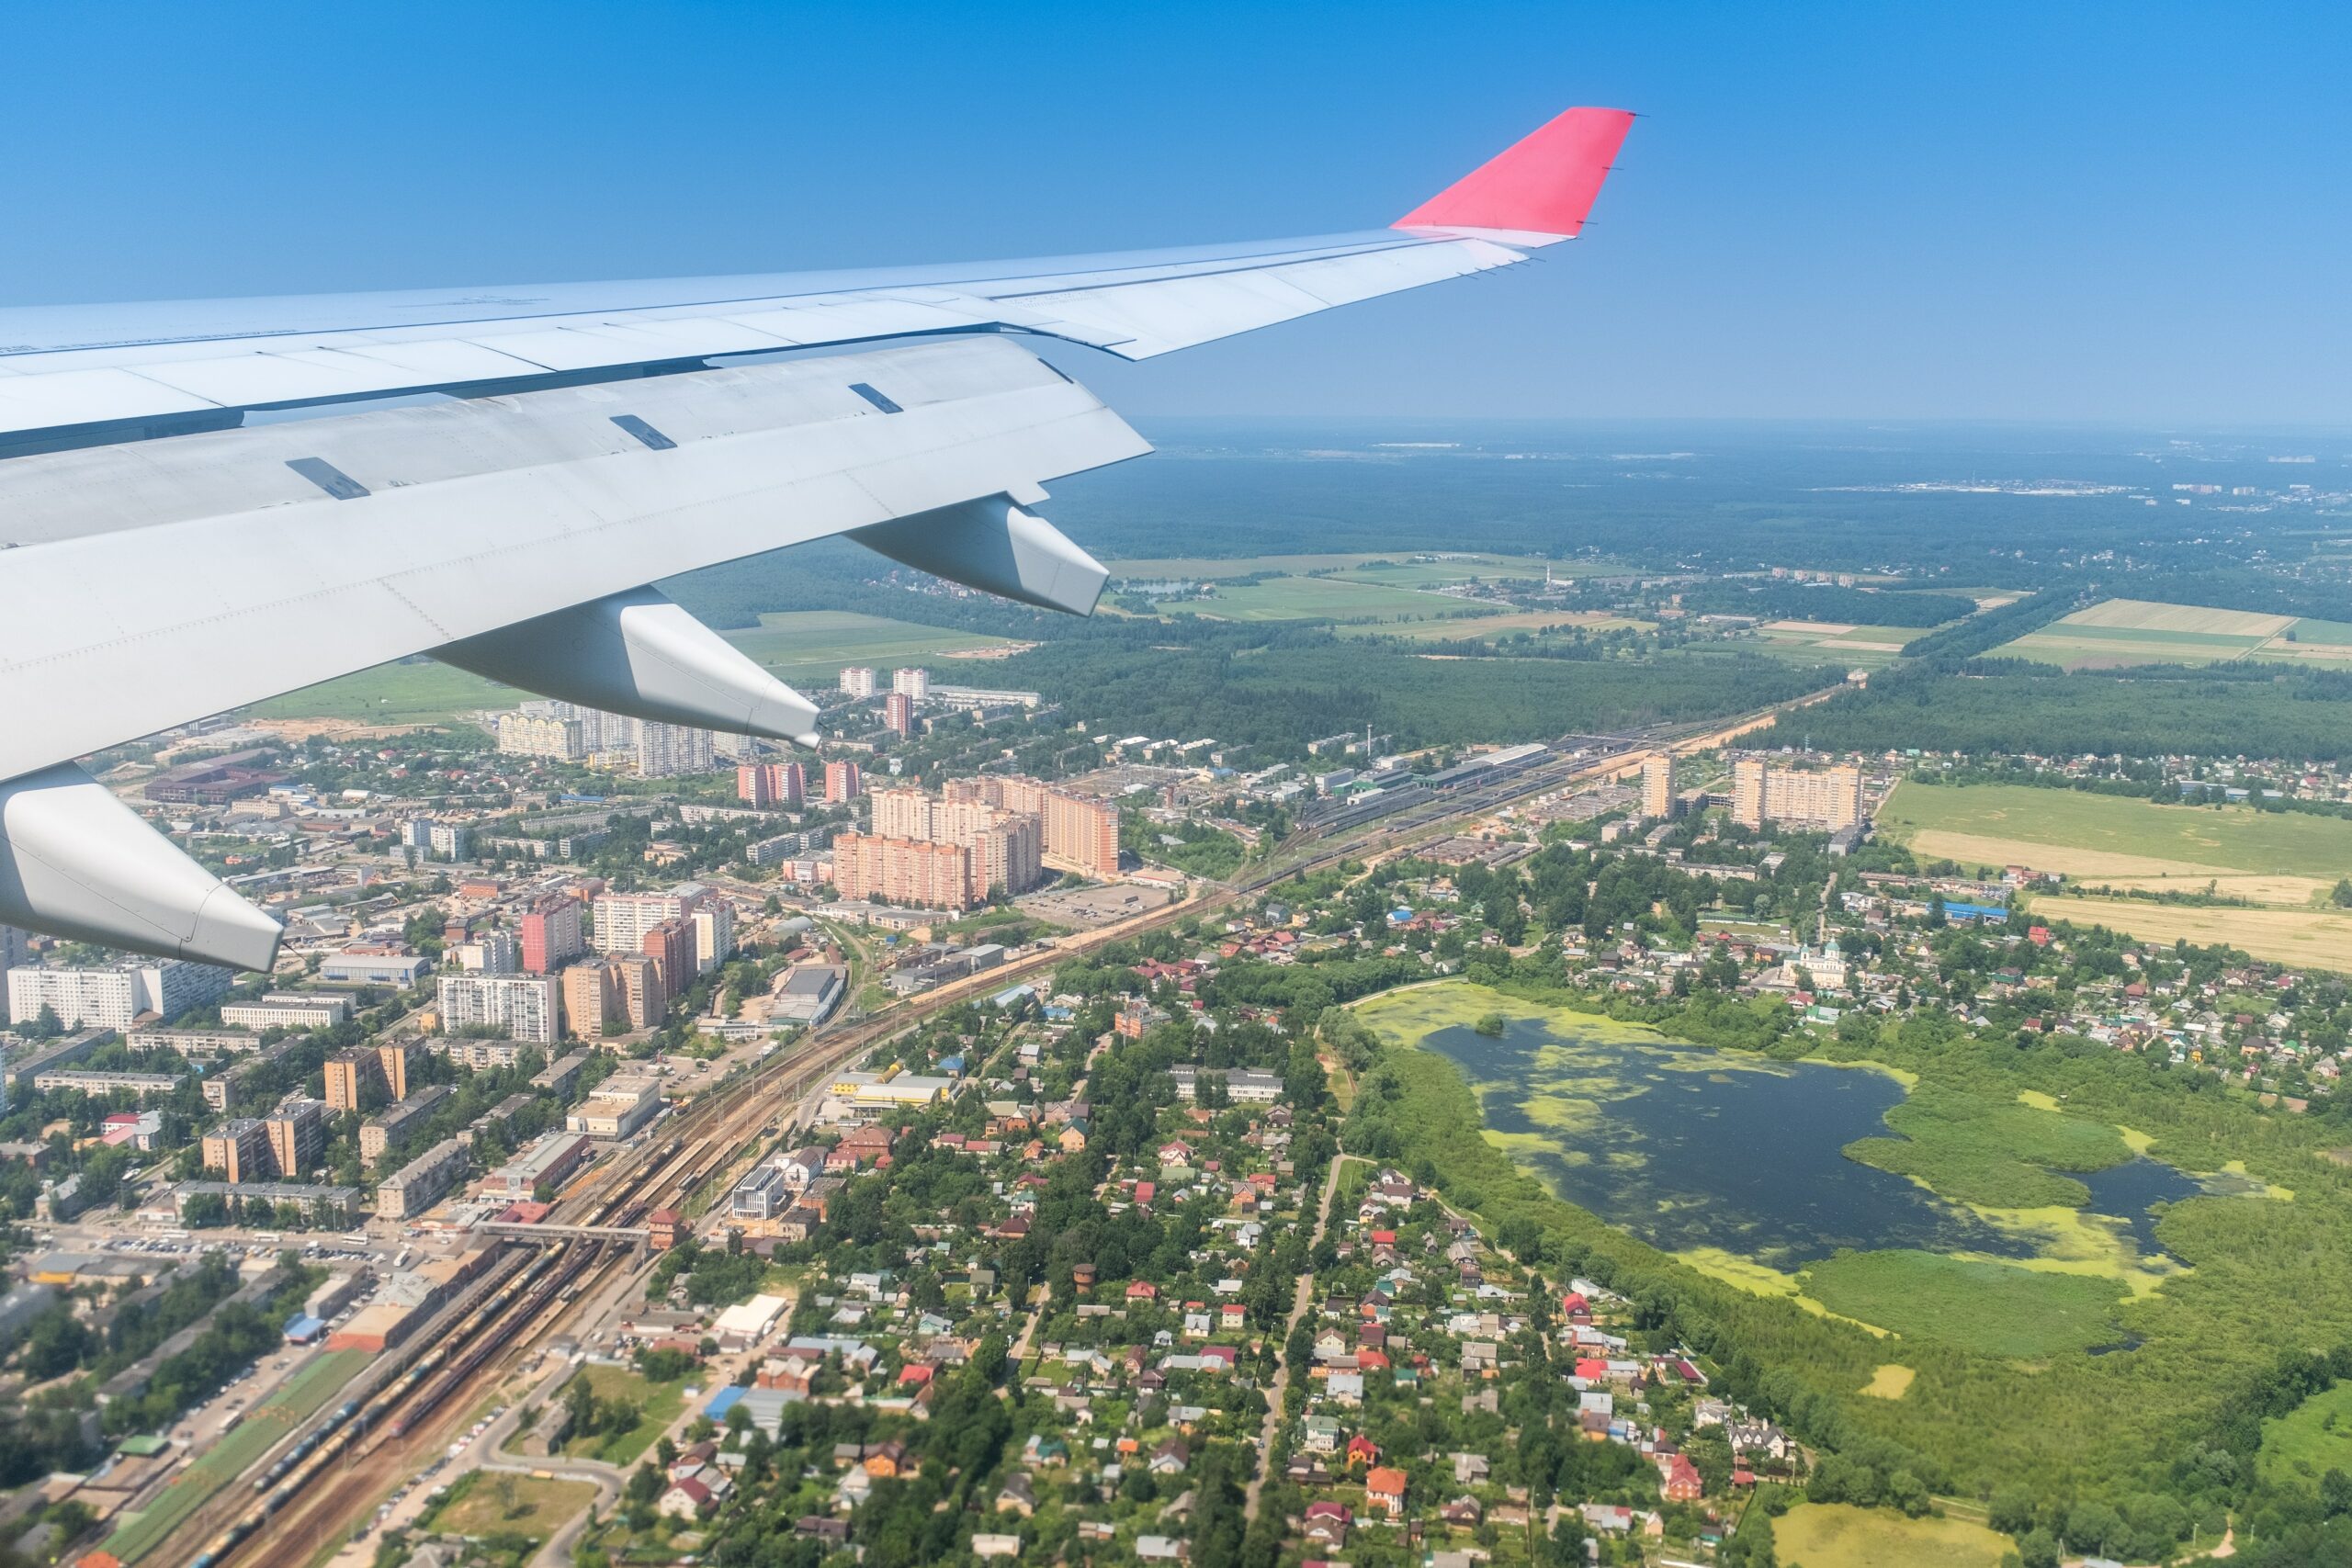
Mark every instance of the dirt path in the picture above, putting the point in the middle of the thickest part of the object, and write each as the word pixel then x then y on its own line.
pixel 1300 1299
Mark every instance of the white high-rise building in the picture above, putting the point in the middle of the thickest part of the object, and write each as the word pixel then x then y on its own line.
pixel 714 932
pixel 114 996
pixel 666 750
pixel 527 1007
pixel 857 681
pixel 912 682
pixel 623 918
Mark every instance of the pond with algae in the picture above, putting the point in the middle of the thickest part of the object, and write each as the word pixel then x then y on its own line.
pixel 1740 1164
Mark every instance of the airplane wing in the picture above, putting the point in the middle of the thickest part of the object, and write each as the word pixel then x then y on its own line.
pixel 206 503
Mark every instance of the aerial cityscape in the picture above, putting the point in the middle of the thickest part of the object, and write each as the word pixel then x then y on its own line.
pixel 614 951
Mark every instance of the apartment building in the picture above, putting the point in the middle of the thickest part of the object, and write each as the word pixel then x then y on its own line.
pixel 667 751
pixel 592 997
pixel 623 918
pixel 421 1183
pixel 527 1007
pixel 114 996
pixel 1657 785
pixel 525 735
pixel 550 934
pixel 644 1001
pixel 287 1009
pixel 906 871
pixel 1829 798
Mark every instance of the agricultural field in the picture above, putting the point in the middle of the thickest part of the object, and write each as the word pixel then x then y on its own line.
pixel 1838 1535
pixel 806 647
pixel 1397 570
pixel 811 647
pixel 2318 937
pixel 2118 633
pixel 2101 836
pixel 414 691
pixel 1859 647
pixel 1503 624
pixel 1332 598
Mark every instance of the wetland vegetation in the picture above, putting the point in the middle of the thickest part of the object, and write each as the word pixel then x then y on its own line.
pixel 2073 1273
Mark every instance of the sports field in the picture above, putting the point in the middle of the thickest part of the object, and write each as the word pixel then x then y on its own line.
pixel 1838 1535
pixel 805 647
pixel 2118 633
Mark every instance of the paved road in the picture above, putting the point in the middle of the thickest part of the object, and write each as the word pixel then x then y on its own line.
pixel 1300 1299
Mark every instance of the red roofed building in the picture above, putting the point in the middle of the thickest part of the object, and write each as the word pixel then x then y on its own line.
pixel 1384 1489
pixel 1679 1480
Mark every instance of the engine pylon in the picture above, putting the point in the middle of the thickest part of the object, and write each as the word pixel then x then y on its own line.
pixel 640 654
pixel 998 547
pixel 77 862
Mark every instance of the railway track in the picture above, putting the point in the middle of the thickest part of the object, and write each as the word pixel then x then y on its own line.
pixel 305 1502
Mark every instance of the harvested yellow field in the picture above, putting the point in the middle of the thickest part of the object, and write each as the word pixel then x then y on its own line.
pixel 2142 616
pixel 1817 628
pixel 1838 1535
pixel 2305 652
pixel 1983 849
pixel 1892 1380
pixel 2320 938
pixel 2287 892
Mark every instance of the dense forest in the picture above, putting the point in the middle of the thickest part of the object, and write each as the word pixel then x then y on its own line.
pixel 1274 687
pixel 2008 705
pixel 1774 599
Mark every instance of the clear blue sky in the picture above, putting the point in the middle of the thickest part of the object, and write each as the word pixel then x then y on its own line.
pixel 2130 213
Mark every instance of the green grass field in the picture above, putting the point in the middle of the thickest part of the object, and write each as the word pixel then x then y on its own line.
pixel 807 647
pixel 813 645
pixel 2118 633
pixel 2022 819
pixel 1857 647
pixel 2002 1154
pixel 1838 1535
pixel 483 1504
pixel 303 1397
pixel 1335 598
pixel 658 1405
pixel 2309 1441
pixel 416 691
pixel 1401 570
pixel 1995 1309
pixel 1505 623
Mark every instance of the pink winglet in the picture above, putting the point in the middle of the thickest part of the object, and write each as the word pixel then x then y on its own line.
pixel 1543 184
